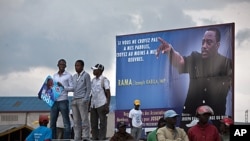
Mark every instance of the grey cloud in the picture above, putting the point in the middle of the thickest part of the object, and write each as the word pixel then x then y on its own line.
pixel 38 33
pixel 242 35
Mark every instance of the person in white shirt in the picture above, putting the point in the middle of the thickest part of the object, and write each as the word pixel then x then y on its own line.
pixel 100 101
pixel 64 79
pixel 135 118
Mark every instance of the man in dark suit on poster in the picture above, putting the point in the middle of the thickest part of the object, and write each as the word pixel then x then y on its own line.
pixel 210 73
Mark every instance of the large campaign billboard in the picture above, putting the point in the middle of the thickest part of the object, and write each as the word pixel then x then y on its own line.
pixel 177 69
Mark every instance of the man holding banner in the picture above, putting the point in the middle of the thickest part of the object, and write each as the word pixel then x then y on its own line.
pixel 210 73
pixel 61 104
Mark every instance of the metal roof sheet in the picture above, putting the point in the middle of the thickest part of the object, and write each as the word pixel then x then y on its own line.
pixel 22 104
pixel 31 104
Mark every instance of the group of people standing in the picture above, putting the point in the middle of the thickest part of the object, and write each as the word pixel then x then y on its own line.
pixel 88 96
pixel 167 130
pixel 202 130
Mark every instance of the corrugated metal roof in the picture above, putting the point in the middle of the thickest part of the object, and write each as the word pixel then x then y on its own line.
pixel 31 104
pixel 22 104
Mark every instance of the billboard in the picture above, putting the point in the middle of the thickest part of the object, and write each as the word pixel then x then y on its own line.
pixel 177 69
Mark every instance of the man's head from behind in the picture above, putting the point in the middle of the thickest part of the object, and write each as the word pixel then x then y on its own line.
pixel 227 121
pixel 43 120
pixel 225 124
pixel 161 122
pixel 121 127
pixel 210 43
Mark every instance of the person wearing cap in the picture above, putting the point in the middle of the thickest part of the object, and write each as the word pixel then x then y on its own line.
pixel 225 128
pixel 152 135
pixel 170 132
pixel 99 103
pixel 80 102
pixel 41 133
pixel 203 130
pixel 121 134
pixel 135 119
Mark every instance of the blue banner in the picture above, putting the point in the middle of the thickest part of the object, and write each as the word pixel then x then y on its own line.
pixel 49 91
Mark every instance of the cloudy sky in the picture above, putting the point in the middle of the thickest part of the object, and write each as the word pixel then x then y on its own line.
pixel 34 35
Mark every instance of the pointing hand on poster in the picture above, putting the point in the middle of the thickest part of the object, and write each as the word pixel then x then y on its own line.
pixel 210 72
pixel 164 47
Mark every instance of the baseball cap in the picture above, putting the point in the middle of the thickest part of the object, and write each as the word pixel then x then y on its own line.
pixel 192 123
pixel 121 124
pixel 170 113
pixel 43 118
pixel 204 109
pixel 227 121
pixel 98 67
pixel 137 102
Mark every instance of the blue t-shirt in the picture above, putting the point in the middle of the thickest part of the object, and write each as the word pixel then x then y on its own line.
pixel 40 134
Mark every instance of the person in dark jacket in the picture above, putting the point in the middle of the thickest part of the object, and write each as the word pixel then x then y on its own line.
pixel 121 134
